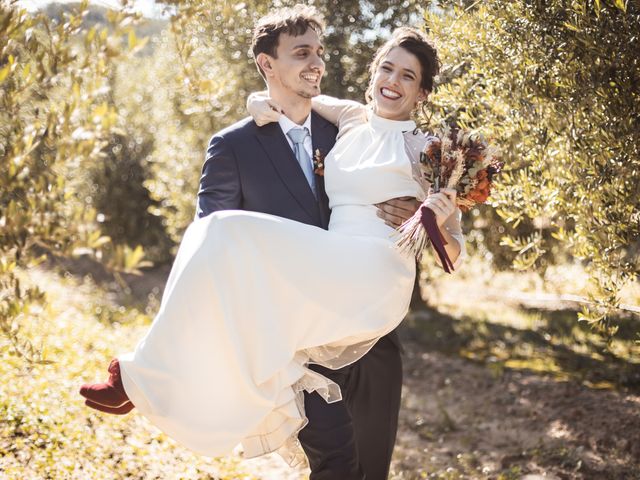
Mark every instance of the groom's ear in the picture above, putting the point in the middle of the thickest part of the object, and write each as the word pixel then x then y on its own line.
pixel 264 62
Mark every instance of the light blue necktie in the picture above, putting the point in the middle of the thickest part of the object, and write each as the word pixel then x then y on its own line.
pixel 297 136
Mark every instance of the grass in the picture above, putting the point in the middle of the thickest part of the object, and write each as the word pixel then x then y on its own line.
pixel 496 319
pixel 46 432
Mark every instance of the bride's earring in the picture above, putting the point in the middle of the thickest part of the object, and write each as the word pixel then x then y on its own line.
pixel 421 104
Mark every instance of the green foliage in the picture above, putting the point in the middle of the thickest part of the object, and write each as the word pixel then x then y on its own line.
pixel 102 148
pixel 110 145
pixel 206 71
pixel 557 86
pixel 355 30
pixel 221 30
pixel 54 124
pixel 48 433
pixel 165 109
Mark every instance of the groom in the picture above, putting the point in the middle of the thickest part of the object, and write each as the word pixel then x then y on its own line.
pixel 269 169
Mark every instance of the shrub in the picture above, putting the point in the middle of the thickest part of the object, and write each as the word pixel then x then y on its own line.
pixel 557 85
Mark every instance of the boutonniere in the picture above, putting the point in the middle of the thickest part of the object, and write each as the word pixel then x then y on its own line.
pixel 318 163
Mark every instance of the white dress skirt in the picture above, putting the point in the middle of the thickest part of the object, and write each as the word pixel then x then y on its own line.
pixel 252 299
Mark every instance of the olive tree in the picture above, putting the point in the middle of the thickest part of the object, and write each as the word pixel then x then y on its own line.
pixel 556 84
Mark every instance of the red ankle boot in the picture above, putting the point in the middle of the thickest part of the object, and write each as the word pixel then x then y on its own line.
pixel 110 394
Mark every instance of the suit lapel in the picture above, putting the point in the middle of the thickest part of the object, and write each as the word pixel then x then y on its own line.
pixel 323 137
pixel 284 161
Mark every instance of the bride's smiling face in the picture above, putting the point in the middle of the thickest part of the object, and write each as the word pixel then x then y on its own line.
pixel 396 85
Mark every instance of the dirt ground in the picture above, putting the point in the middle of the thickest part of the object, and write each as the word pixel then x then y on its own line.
pixel 465 420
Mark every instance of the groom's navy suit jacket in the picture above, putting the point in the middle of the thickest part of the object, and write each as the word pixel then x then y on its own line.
pixel 253 168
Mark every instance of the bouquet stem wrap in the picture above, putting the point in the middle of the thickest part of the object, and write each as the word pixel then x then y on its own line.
pixel 428 220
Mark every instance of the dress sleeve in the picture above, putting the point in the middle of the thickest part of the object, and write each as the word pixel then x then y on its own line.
pixel 345 114
pixel 414 142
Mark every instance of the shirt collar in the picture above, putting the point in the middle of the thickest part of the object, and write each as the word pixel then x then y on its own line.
pixel 286 124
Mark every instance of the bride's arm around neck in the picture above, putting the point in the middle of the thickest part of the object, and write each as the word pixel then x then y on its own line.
pixel 345 114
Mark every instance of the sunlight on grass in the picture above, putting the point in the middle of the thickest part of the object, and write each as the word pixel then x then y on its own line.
pixel 47 432
pixel 518 321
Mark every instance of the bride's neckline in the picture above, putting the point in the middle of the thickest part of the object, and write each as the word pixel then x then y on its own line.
pixel 380 123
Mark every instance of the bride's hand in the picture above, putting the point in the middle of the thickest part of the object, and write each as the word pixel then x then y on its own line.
pixel 263 108
pixel 443 204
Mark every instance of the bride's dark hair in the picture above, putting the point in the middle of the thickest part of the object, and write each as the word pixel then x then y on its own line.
pixel 414 42
pixel 294 21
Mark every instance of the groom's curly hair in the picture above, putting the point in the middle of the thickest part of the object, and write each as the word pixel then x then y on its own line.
pixel 294 21
pixel 416 43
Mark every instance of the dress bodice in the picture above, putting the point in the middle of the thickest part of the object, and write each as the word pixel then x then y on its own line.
pixel 369 165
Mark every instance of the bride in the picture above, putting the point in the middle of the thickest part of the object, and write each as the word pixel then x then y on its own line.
pixel 252 299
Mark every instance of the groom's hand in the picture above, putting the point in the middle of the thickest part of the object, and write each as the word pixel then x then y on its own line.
pixel 396 211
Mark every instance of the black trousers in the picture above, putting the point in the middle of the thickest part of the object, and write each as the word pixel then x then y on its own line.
pixel 353 439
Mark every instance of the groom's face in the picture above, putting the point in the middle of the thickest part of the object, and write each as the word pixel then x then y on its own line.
pixel 298 67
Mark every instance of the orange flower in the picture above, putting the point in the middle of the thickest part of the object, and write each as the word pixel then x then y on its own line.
pixel 318 163
pixel 483 184
pixel 479 195
pixel 433 146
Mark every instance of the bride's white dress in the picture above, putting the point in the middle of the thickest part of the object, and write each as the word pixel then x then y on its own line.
pixel 253 298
